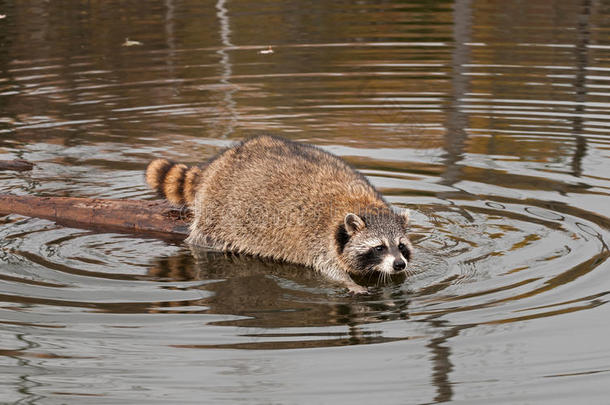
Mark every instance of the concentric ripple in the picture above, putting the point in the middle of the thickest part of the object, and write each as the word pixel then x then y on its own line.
pixel 489 120
pixel 542 262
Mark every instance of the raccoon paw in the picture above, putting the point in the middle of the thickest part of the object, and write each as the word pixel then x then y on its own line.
pixel 356 289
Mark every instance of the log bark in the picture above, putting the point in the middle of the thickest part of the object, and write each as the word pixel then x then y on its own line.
pixel 17 164
pixel 155 218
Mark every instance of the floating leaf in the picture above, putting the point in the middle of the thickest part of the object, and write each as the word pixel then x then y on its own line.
pixel 131 43
pixel 267 51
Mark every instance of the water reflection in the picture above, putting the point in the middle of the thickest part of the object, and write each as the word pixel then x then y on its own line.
pixel 272 295
pixel 227 71
pixel 456 120
pixel 580 85
pixel 489 120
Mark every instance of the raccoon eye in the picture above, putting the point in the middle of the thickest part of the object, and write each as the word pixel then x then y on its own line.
pixel 379 248
pixel 405 251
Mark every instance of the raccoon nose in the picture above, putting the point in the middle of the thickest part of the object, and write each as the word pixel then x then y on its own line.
pixel 399 264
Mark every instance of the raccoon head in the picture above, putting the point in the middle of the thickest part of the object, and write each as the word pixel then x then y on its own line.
pixel 374 242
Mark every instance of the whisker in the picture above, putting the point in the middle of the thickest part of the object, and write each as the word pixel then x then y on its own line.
pixel 369 272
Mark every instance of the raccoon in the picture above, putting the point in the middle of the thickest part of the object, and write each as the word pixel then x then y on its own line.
pixel 274 198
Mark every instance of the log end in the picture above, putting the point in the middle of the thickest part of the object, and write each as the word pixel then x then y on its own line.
pixel 19 165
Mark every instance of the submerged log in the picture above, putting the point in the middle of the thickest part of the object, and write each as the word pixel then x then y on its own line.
pixel 156 218
pixel 17 164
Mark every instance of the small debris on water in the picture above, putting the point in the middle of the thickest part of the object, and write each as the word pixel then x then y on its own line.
pixel 267 51
pixel 2 16
pixel 128 42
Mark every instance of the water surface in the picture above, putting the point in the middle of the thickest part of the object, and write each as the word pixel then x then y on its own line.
pixel 488 119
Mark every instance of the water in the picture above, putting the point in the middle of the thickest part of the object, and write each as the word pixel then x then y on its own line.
pixel 488 119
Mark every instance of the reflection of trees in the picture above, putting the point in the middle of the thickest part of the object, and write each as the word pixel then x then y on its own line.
pixel 518 68
pixel 440 354
pixel 580 85
pixel 456 137
pixel 457 121
pixel 226 70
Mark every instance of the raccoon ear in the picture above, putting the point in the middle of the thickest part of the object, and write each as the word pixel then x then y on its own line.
pixel 406 215
pixel 403 213
pixel 353 223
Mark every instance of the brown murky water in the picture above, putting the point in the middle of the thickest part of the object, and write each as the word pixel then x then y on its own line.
pixel 489 119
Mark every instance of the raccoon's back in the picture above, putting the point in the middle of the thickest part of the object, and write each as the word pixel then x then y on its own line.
pixel 277 173
pixel 277 198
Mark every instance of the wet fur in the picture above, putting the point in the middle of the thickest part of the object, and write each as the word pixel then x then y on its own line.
pixel 274 198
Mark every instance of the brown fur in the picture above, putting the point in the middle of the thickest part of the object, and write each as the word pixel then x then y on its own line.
pixel 283 200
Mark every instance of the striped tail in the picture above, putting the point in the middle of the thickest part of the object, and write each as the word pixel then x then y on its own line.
pixel 174 181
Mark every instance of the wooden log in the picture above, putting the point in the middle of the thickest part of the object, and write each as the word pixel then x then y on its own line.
pixel 156 218
pixel 17 164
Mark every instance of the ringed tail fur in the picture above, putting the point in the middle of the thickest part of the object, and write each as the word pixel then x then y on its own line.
pixel 174 181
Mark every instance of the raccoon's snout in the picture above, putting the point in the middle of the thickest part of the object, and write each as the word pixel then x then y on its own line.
pixel 399 265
